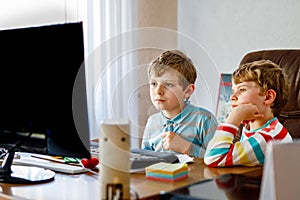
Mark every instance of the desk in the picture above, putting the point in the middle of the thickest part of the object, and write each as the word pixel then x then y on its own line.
pixel 198 171
pixel 86 186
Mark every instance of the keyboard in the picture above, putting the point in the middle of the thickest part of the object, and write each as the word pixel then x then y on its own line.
pixel 27 160
pixel 141 158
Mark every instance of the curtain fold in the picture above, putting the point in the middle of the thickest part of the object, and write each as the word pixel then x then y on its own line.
pixel 111 62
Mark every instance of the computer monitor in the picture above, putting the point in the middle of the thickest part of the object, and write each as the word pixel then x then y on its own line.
pixel 43 101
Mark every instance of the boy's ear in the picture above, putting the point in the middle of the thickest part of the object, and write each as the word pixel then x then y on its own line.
pixel 270 96
pixel 189 90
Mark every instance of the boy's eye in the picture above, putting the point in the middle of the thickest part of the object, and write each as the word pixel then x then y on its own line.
pixel 153 84
pixel 241 90
pixel 168 84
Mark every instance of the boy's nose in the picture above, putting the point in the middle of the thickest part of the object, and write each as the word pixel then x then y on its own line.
pixel 233 97
pixel 160 90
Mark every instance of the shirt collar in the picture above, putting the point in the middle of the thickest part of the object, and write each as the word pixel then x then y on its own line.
pixel 264 126
pixel 180 117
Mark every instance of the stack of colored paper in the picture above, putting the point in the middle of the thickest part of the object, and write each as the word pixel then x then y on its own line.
pixel 167 172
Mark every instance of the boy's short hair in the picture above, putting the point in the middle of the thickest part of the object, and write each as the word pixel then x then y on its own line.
pixel 267 75
pixel 177 60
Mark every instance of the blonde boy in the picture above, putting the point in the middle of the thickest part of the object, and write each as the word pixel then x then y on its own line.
pixel 259 92
pixel 179 127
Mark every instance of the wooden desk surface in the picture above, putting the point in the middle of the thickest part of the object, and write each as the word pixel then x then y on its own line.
pixel 86 186
pixel 198 171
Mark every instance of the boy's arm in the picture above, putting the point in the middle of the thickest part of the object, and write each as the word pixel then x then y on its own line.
pixel 243 112
pixel 205 134
pixel 223 152
pixel 200 141
pixel 251 151
pixel 173 141
pixel 220 148
pixel 198 145
pixel 145 144
pixel 145 141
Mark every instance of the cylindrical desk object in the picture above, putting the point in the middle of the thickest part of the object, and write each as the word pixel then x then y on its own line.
pixel 115 160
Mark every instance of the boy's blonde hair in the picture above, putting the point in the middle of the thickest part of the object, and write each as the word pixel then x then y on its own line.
pixel 177 60
pixel 266 75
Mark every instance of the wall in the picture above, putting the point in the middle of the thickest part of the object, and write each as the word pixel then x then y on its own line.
pixel 227 30
pixel 20 13
pixel 158 30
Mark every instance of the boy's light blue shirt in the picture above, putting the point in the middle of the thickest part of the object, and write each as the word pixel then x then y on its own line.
pixel 195 124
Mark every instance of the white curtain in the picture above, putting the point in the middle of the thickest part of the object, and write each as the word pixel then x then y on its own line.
pixel 111 63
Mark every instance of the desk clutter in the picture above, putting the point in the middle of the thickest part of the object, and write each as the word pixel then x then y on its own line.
pixel 167 172
pixel 141 158
pixel 48 162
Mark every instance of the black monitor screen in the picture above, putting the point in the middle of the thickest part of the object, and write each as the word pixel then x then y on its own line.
pixel 38 69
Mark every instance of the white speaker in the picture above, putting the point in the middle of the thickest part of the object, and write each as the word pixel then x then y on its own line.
pixel 115 160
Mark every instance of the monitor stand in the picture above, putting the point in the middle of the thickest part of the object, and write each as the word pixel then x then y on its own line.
pixel 23 174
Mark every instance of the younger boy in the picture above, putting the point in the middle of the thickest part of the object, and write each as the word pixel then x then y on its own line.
pixel 259 92
pixel 179 126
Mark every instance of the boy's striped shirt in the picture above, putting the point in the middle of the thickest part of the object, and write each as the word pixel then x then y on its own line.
pixel 249 151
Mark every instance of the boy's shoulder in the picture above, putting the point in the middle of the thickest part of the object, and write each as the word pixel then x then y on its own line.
pixel 201 113
pixel 189 110
pixel 199 109
pixel 157 115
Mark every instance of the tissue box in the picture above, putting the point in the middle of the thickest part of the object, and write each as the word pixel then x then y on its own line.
pixel 167 172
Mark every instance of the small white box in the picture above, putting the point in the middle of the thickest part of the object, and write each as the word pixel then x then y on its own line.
pixel 281 173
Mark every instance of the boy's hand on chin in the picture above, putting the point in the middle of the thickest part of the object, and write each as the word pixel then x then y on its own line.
pixel 243 113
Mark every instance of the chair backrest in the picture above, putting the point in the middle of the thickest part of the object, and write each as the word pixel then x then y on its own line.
pixel 289 61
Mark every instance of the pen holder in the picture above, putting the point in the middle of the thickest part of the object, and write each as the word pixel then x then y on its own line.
pixel 115 160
